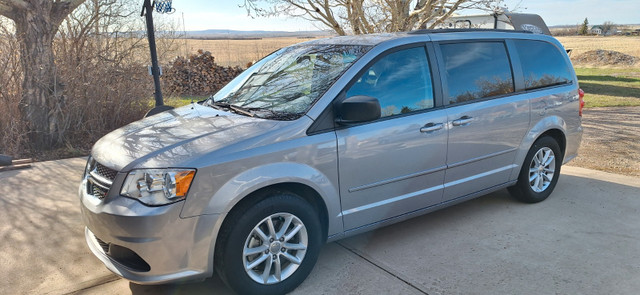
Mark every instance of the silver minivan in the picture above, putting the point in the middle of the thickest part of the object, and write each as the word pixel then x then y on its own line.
pixel 327 139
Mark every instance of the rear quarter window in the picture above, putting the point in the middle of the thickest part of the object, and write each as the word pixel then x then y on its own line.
pixel 543 64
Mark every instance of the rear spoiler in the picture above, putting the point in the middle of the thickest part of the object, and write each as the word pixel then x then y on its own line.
pixel 527 22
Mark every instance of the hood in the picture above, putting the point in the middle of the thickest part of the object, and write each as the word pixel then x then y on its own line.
pixel 174 137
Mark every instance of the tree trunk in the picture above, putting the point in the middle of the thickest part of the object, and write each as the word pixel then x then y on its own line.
pixel 42 101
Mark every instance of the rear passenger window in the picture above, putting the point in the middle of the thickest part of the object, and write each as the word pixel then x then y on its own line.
pixel 542 64
pixel 476 70
pixel 401 81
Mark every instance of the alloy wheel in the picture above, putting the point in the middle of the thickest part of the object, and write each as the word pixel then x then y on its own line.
pixel 542 169
pixel 275 248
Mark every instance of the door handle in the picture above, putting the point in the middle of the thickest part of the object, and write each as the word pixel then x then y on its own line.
pixel 430 127
pixel 463 121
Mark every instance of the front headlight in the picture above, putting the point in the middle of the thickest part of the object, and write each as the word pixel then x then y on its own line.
pixel 158 186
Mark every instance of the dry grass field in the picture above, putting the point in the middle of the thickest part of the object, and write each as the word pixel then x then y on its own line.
pixel 239 52
pixel 582 44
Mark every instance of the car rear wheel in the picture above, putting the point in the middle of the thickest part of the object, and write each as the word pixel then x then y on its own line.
pixel 269 247
pixel 540 171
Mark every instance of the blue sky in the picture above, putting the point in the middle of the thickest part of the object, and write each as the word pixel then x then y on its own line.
pixel 226 14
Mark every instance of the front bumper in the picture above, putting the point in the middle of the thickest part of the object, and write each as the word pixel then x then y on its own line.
pixel 148 245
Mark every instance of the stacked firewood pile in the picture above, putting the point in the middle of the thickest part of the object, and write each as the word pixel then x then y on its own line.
pixel 197 75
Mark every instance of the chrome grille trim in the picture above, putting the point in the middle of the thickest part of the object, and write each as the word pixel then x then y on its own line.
pixel 99 179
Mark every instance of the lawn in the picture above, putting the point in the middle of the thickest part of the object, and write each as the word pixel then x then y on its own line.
pixel 606 87
pixel 178 101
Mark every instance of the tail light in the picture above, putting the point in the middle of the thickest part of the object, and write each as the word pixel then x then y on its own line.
pixel 581 94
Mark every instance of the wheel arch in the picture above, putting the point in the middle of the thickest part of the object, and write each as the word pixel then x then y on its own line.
pixel 558 136
pixel 306 192
pixel 553 126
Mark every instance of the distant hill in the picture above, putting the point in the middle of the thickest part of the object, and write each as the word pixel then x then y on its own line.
pixel 233 34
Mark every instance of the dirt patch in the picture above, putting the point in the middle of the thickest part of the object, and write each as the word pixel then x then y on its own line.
pixel 611 140
pixel 605 58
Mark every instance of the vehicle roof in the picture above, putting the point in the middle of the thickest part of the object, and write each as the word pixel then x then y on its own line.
pixel 436 35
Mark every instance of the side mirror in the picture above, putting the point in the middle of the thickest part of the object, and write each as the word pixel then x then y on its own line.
pixel 358 109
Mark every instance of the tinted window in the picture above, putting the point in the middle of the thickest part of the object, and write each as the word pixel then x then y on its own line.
pixel 476 70
pixel 401 81
pixel 542 64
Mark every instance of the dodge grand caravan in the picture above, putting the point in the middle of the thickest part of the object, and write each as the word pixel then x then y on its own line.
pixel 326 139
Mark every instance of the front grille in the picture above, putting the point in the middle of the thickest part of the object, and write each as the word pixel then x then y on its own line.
pixel 99 179
pixel 105 171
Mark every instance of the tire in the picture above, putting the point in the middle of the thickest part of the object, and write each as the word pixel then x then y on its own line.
pixel 538 178
pixel 247 240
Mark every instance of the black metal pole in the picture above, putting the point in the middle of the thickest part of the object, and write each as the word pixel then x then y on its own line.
pixel 147 10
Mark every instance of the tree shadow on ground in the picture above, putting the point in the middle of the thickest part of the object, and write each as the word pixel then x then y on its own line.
pixel 611 90
pixel 607 78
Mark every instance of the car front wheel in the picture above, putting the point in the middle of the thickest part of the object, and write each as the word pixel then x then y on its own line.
pixel 269 247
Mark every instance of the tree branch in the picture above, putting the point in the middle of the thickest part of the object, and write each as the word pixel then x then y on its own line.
pixel 16 4
pixel 61 9
pixel 6 10
pixel 446 15
pixel 9 8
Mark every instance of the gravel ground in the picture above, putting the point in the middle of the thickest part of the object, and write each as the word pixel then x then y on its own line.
pixel 611 140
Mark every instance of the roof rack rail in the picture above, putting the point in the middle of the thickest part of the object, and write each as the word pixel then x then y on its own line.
pixel 435 31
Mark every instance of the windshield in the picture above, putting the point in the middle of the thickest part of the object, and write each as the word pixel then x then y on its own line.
pixel 285 84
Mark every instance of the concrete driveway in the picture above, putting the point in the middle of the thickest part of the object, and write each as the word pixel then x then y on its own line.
pixel 585 239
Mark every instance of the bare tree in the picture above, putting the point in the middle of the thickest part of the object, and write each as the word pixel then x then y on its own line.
pixel 368 16
pixel 36 23
pixel 608 28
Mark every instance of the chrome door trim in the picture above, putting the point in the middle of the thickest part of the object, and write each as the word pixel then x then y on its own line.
pixel 494 171
pixel 396 179
pixel 482 158
pixel 392 200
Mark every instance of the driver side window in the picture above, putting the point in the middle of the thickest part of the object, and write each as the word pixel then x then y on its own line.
pixel 401 81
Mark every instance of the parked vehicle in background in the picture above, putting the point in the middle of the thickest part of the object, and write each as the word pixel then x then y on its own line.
pixel 326 139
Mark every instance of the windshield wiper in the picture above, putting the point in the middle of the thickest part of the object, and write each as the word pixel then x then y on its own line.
pixel 254 112
pixel 274 115
pixel 218 105
pixel 223 106
pixel 241 110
